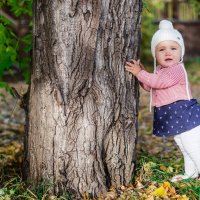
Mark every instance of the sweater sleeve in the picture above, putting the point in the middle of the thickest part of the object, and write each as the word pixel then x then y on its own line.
pixel 145 87
pixel 165 78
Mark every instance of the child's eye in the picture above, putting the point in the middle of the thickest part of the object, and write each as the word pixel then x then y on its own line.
pixel 161 49
pixel 173 48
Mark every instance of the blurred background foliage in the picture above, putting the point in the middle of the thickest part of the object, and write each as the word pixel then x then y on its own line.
pixel 15 39
pixel 16 32
pixel 148 28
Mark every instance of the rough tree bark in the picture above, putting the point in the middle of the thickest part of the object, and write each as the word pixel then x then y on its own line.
pixel 81 122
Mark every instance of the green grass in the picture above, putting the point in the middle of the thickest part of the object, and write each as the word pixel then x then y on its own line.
pixel 159 170
pixel 150 169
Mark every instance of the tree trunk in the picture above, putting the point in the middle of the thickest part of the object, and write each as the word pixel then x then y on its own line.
pixel 82 112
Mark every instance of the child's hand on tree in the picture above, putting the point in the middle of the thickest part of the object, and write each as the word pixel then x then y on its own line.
pixel 134 66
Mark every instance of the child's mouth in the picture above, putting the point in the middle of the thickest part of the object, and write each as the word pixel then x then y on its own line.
pixel 168 59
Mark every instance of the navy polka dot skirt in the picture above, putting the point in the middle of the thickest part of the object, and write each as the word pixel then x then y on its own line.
pixel 176 118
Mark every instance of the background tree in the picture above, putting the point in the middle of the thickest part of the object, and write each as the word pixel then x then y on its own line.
pixel 81 122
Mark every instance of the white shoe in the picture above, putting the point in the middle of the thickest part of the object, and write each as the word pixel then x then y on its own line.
pixel 180 178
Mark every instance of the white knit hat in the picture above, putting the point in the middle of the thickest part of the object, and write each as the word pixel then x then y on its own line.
pixel 167 32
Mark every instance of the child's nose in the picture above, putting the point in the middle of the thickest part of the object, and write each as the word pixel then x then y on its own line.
pixel 168 52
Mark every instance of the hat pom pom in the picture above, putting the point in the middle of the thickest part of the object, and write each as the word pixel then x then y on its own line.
pixel 165 24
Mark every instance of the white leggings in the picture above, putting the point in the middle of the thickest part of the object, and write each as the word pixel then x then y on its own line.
pixel 189 144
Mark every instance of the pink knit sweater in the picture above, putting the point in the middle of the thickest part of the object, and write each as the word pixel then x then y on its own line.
pixel 168 84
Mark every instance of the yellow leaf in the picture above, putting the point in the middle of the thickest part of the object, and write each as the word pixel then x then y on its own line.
pixel 170 169
pixel 112 188
pixel 166 184
pixel 183 197
pixel 85 195
pixel 170 191
pixel 147 167
pixel 163 168
pixel 150 198
pixel 159 192
pixel 50 197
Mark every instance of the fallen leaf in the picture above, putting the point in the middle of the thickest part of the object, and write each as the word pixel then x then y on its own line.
pixel 159 192
pixel 139 185
pixel 166 184
pixel 163 168
pixel 170 169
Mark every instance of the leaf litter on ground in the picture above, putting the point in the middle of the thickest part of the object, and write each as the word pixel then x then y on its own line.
pixel 158 159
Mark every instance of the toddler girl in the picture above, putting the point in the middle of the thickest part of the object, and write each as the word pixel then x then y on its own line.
pixel 176 113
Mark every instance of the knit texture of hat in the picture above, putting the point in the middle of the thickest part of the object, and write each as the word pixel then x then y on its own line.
pixel 167 32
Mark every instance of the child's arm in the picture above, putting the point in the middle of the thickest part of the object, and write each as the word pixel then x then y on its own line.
pixel 135 67
pixel 145 87
pixel 167 78
pixel 164 79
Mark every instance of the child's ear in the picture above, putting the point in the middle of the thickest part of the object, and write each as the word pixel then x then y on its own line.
pixel 181 59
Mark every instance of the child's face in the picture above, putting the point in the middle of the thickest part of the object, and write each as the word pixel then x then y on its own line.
pixel 168 53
